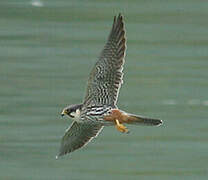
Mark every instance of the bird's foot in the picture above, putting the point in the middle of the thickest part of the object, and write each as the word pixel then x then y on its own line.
pixel 120 127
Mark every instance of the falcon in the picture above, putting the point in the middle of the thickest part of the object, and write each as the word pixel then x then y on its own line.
pixel 99 107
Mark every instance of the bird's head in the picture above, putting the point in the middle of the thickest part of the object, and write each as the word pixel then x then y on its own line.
pixel 72 110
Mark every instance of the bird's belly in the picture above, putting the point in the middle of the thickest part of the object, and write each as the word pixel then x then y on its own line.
pixel 105 115
pixel 116 114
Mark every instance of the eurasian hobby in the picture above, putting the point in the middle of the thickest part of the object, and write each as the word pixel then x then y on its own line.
pixel 99 107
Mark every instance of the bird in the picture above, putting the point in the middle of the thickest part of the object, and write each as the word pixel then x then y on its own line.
pixel 99 107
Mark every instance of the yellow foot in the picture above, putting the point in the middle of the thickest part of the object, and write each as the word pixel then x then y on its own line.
pixel 121 127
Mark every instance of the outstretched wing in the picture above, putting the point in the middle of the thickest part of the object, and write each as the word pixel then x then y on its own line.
pixel 78 135
pixel 106 76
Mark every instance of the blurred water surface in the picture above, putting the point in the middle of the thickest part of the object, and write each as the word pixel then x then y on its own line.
pixel 47 50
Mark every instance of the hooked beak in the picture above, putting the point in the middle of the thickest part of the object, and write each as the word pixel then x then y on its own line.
pixel 63 113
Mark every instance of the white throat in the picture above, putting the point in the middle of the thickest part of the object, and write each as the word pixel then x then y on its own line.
pixel 76 114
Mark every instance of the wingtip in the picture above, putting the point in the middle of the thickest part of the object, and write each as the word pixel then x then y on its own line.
pixel 120 14
pixel 160 122
pixel 114 19
pixel 119 17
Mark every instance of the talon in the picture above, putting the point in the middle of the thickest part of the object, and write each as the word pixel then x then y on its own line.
pixel 121 127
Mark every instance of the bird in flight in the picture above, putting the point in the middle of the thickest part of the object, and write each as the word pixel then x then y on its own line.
pixel 99 107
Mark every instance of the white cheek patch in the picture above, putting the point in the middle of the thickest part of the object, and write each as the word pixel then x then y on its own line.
pixel 77 111
pixel 73 114
pixel 76 114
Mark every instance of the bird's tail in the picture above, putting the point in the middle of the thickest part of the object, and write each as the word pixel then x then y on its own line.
pixel 139 120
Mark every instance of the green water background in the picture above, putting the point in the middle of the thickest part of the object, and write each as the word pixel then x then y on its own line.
pixel 46 53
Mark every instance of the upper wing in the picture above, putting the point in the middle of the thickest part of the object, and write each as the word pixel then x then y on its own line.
pixel 78 135
pixel 106 76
